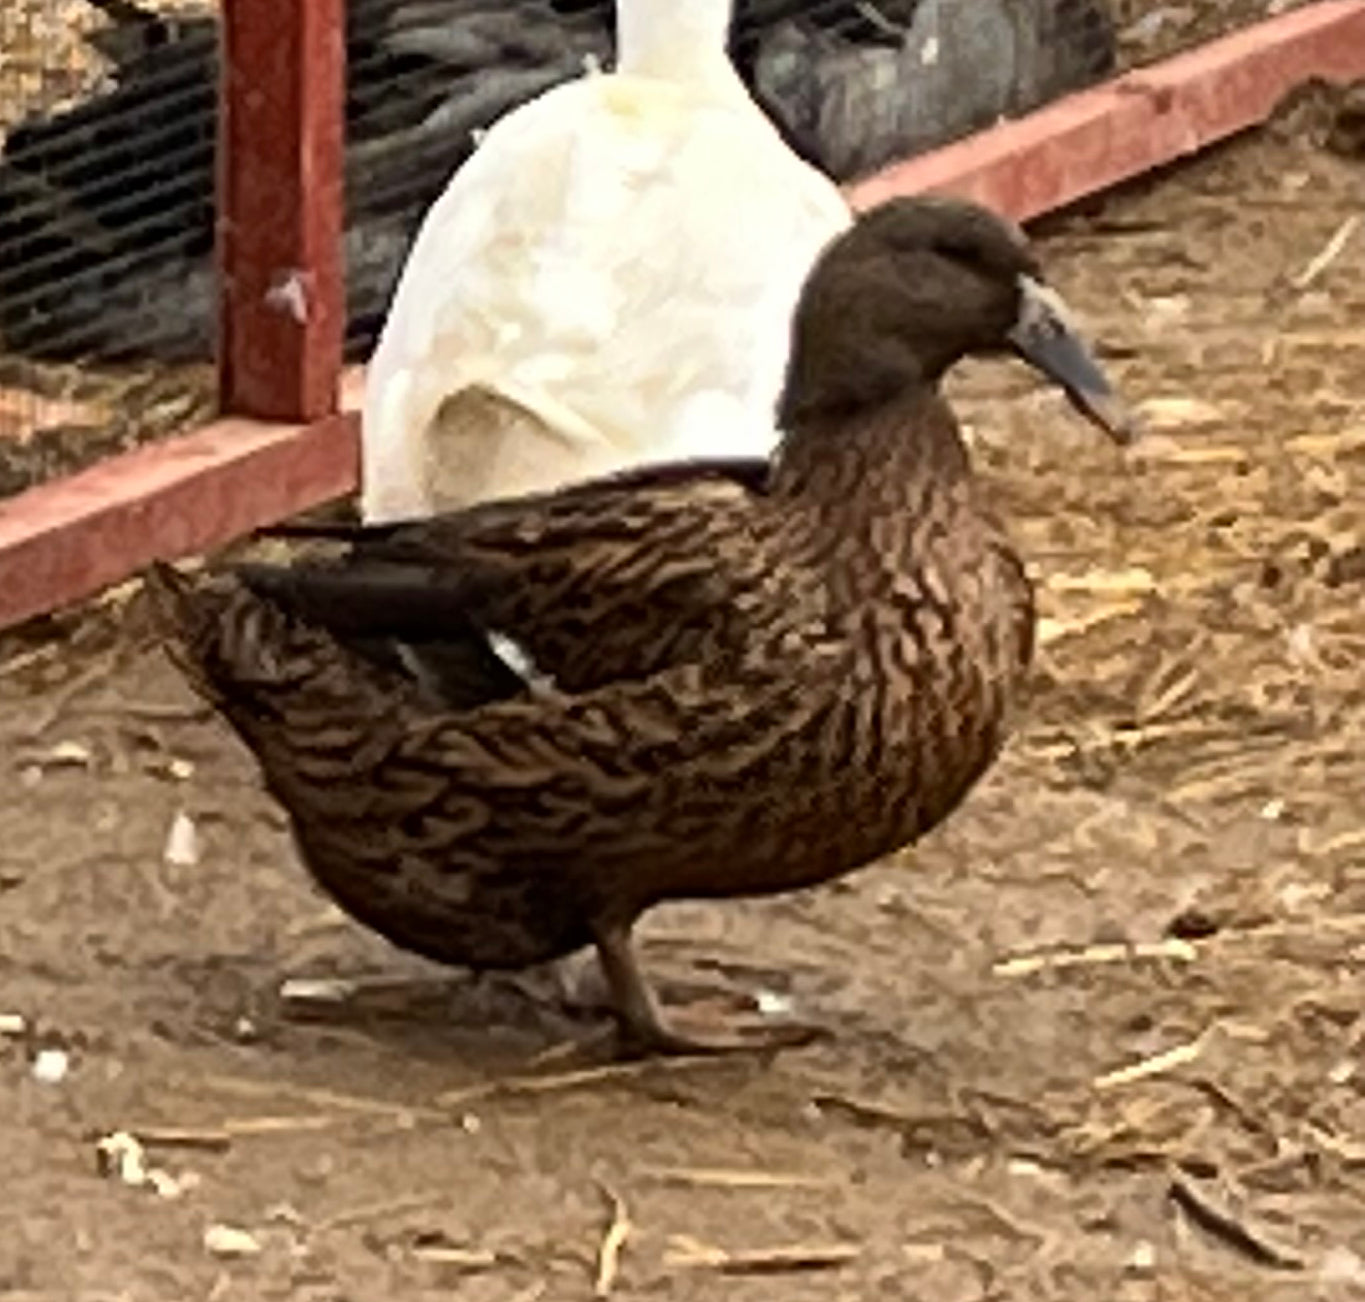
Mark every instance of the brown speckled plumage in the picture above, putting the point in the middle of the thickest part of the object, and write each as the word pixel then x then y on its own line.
pixel 758 678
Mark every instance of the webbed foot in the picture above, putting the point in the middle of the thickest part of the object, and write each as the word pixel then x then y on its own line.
pixel 644 1030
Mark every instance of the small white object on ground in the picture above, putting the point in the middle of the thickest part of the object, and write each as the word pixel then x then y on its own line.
pixel 772 1004
pixel 51 1065
pixel 316 990
pixel 122 1157
pixel 182 842
pixel 229 1241
pixel 1143 1257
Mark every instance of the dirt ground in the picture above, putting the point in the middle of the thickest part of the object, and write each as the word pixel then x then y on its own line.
pixel 1100 1037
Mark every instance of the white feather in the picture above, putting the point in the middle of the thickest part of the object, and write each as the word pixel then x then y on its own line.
pixel 619 260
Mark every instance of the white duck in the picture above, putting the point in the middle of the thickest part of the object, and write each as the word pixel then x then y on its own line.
pixel 607 282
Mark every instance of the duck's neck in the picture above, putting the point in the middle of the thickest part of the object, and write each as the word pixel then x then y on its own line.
pixel 681 41
pixel 885 459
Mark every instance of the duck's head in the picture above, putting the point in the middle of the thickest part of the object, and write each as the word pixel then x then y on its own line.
pixel 912 287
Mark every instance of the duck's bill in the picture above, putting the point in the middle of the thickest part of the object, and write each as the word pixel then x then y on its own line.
pixel 1045 338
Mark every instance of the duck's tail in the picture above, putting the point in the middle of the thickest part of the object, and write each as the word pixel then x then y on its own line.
pixel 251 658
pixel 259 639
pixel 309 708
pixel 399 618
pixel 191 615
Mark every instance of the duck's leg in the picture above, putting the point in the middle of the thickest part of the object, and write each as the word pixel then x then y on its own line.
pixel 642 1022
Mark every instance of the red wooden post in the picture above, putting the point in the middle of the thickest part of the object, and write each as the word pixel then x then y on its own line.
pixel 280 181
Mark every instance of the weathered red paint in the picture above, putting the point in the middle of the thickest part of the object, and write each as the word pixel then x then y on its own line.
pixel 62 542
pixel 280 179
pixel 68 539
pixel 1095 139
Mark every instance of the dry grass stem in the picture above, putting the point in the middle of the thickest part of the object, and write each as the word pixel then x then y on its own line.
pixel 1179 951
pixel 718 1178
pixel 464 1259
pixel 217 1140
pixel 296 1124
pixel 613 1240
pixel 1330 252
pixel 314 1096
pixel 1179 1056
pixel 566 1080
pixel 382 1210
pixel 692 1253
pixel 1213 1217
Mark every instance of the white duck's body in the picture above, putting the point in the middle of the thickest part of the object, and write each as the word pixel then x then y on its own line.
pixel 608 281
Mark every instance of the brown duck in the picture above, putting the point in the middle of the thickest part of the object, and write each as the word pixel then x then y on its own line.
pixel 750 678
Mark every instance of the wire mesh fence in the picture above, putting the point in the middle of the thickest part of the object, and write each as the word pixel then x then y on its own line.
pixel 106 218
pixel 108 109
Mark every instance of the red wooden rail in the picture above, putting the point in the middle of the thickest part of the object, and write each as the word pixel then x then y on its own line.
pixel 63 541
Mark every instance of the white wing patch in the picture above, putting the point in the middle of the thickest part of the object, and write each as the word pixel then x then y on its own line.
pixel 518 660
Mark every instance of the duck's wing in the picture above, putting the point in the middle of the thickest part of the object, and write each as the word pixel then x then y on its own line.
pixel 601 777
pixel 602 582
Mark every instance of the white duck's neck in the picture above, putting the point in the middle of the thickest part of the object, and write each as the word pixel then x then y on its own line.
pixel 676 40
